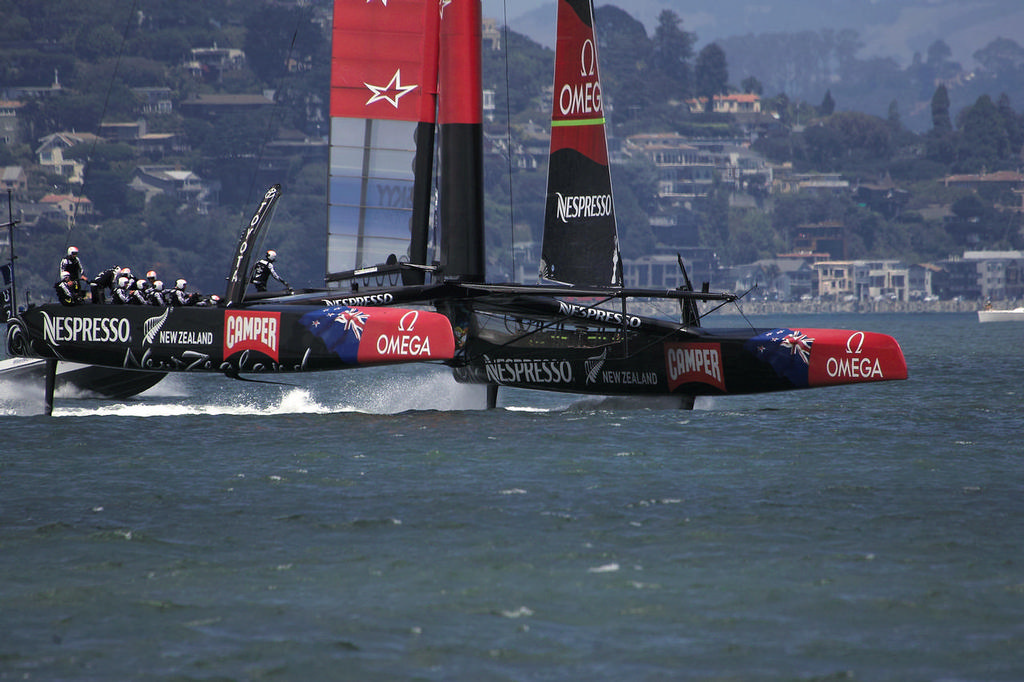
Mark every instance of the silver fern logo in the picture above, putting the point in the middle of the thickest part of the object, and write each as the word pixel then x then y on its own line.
pixel 593 366
pixel 151 327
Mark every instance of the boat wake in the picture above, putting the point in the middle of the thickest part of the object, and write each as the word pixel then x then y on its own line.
pixel 178 397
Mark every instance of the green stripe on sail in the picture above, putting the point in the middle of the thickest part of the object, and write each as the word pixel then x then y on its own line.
pixel 578 122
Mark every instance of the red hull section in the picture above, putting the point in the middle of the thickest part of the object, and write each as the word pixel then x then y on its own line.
pixel 853 357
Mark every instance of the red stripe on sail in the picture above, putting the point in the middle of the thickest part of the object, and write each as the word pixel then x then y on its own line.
pixel 577 97
pixel 461 99
pixel 384 59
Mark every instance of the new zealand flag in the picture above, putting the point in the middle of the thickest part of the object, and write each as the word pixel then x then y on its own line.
pixel 340 328
pixel 788 352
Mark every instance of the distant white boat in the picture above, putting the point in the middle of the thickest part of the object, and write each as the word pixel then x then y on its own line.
pixel 1015 315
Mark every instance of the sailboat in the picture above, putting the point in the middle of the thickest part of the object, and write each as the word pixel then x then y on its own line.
pixel 405 276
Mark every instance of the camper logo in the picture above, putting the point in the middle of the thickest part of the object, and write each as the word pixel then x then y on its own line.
pixel 248 330
pixel 699 363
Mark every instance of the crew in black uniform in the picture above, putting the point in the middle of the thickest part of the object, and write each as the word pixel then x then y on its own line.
pixel 264 270
pixel 107 279
pixel 71 266
pixel 121 293
pixel 178 295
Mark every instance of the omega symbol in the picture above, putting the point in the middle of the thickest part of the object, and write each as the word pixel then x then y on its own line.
pixel 411 323
pixel 588 58
pixel 855 347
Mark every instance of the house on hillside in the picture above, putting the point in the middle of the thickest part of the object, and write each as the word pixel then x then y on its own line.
pixel 210 63
pixel 785 278
pixel 827 238
pixel 156 100
pixel 50 154
pixel 66 208
pixel 10 128
pixel 727 104
pixel 1010 180
pixel 209 106
pixel 183 185
pixel 134 133
pixel 13 178
pixel 786 181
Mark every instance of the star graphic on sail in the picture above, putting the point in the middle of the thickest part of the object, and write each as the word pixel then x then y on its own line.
pixel 392 92
pixel 444 3
pixel 385 2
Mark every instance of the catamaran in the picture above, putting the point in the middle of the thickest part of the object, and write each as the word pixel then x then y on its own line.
pixel 405 277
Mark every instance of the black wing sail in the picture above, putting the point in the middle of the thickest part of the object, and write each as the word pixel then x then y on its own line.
pixel 580 239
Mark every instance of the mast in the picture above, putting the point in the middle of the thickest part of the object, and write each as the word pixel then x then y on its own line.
pixel 9 293
pixel 460 116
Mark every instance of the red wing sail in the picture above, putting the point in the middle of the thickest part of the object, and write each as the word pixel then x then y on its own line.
pixel 383 110
pixel 580 240
pixel 461 123
pixel 384 59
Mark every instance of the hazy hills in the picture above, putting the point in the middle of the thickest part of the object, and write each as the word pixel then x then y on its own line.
pixel 888 28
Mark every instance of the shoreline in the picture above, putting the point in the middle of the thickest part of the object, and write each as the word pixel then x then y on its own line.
pixel 832 307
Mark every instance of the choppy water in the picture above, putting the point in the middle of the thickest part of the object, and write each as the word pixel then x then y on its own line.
pixel 370 526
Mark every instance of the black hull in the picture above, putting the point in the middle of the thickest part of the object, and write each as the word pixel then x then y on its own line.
pixel 565 347
pixel 251 340
pixel 709 366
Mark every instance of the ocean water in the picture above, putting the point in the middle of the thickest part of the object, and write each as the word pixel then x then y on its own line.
pixel 377 525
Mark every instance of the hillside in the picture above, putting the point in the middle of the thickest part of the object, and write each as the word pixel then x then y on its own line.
pixel 861 120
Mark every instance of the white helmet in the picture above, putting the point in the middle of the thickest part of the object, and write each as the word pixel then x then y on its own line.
pixel 180 284
pixel 151 275
pixel 122 282
pixel 72 250
pixel 64 274
pixel 141 284
pixel 271 255
pixel 158 285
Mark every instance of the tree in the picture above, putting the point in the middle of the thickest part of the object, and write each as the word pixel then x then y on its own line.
pixel 673 50
pixel 984 144
pixel 1012 123
pixel 894 116
pixel 712 74
pixel 751 86
pixel 941 122
pixel 828 105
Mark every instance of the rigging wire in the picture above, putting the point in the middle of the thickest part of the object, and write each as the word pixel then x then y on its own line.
pixel 103 114
pixel 271 120
pixel 508 137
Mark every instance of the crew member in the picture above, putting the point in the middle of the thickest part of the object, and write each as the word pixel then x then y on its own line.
pixel 264 270
pixel 137 292
pixel 107 279
pixel 155 294
pixel 121 293
pixel 178 296
pixel 67 291
pixel 71 265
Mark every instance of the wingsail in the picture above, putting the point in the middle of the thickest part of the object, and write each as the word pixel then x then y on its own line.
pixel 580 238
pixel 383 111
